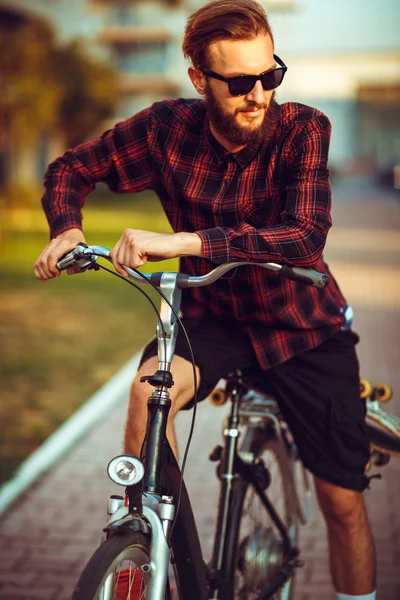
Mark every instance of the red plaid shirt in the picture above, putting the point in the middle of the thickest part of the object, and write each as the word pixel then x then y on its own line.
pixel 268 202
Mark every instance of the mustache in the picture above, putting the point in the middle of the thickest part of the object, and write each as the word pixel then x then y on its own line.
pixel 251 106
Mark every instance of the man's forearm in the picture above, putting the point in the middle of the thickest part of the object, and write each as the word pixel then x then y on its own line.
pixel 188 244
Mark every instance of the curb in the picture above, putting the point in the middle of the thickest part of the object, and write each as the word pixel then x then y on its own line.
pixel 82 421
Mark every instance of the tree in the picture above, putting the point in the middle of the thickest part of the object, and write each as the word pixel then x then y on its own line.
pixel 88 92
pixel 48 90
pixel 30 92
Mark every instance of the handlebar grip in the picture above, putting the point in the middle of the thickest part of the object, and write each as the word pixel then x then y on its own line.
pixel 307 276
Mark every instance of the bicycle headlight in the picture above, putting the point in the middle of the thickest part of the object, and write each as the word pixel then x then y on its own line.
pixel 125 470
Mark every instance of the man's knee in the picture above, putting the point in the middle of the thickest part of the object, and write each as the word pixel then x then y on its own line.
pixel 141 390
pixel 339 504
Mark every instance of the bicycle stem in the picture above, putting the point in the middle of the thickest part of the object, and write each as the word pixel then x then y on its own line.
pixel 167 330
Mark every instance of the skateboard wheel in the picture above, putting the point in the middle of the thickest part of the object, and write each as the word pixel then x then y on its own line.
pixel 218 397
pixel 382 392
pixel 368 466
pixel 381 459
pixel 366 388
pixel 378 459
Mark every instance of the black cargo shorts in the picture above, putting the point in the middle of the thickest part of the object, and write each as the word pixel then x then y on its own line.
pixel 317 391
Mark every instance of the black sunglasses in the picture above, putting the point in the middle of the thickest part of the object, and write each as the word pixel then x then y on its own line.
pixel 243 84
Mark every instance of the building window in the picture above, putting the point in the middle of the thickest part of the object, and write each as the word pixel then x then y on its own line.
pixel 141 58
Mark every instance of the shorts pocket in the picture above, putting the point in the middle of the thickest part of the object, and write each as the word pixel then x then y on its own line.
pixel 348 435
pixel 349 409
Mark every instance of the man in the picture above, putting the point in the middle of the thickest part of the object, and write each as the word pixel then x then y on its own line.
pixel 240 177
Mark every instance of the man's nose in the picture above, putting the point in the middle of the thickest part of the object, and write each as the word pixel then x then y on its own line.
pixel 256 94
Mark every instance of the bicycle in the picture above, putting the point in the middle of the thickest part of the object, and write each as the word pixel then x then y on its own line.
pixel 152 527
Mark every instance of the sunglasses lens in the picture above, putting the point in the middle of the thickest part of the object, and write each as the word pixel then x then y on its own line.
pixel 239 86
pixel 272 79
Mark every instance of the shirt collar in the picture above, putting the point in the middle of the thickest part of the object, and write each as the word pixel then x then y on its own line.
pixel 243 157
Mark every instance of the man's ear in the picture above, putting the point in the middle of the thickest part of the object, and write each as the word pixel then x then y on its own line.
pixel 198 80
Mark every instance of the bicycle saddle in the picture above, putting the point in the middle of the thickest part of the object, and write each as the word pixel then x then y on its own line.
pixel 251 380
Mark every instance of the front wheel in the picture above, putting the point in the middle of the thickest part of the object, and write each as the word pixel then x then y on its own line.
pixel 118 570
pixel 255 548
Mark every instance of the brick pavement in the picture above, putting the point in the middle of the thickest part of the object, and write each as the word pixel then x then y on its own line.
pixel 46 537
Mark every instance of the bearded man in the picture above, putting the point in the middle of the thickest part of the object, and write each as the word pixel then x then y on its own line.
pixel 240 177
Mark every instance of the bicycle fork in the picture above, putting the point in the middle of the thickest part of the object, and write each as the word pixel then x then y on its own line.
pixel 145 500
pixel 159 514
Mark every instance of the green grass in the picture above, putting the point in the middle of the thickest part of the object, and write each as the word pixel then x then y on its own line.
pixel 61 340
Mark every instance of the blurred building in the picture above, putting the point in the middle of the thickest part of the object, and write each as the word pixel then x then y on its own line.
pixel 142 41
pixel 343 58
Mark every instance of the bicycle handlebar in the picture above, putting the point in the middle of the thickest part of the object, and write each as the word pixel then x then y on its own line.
pixel 84 256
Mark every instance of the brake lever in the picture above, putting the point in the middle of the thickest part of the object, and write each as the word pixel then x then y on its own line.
pixel 78 257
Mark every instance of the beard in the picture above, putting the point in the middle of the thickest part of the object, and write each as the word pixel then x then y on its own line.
pixel 227 125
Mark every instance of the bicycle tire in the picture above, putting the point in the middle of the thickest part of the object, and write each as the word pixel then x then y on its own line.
pixel 101 577
pixel 237 551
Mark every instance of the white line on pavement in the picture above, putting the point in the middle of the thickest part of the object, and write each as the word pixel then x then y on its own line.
pixel 84 419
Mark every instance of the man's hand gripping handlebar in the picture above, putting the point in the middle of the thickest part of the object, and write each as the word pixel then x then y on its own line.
pixel 84 257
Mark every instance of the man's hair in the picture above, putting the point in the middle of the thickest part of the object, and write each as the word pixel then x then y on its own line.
pixel 222 20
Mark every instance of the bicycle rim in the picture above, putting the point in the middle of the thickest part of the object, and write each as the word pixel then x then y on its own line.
pixel 118 570
pixel 259 548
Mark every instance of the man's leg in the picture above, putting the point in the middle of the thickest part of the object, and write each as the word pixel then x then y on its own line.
pixel 351 547
pixel 318 393
pixel 181 393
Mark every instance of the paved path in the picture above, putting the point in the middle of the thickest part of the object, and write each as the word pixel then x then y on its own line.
pixel 47 536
